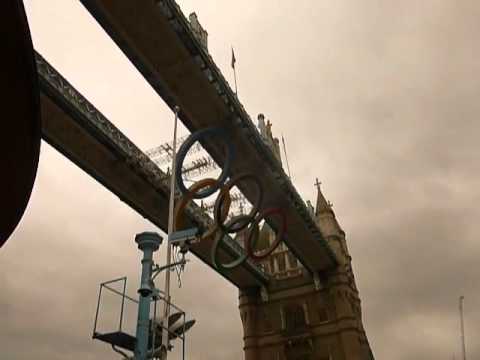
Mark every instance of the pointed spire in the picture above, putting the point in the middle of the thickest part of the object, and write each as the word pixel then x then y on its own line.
pixel 322 204
pixel 310 208
pixel 266 133
pixel 261 126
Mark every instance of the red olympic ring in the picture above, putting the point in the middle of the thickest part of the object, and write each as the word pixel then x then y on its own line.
pixel 250 245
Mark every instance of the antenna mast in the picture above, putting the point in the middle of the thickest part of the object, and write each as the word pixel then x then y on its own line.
pixel 462 329
pixel 286 157
pixel 201 164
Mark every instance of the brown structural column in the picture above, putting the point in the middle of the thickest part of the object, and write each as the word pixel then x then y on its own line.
pixel 248 315
pixel 300 321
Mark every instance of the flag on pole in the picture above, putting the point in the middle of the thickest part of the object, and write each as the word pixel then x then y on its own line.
pixel 234 71
pixel 233 59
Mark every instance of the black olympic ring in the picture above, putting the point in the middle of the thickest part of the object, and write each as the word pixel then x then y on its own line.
pixel 219 208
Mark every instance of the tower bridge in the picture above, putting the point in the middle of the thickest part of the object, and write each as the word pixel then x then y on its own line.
pixel 177 65
pixel 302 303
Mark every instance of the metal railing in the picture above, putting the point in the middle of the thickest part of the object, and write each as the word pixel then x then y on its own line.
pixel 156 325
pixel 115 291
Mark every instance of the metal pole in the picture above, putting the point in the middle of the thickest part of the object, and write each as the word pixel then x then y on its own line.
pixel 148 243
pixel 183 339
pixel 462 329
pixel 123 303
pixel 166 307
pixel 153 324
pixel 235 77
pixel 96 313
pixel 234 71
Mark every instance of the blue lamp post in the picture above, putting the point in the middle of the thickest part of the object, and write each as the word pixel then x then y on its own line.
pixel 148 243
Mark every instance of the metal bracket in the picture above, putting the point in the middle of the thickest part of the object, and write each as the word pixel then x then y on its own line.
pixel 317 281
pixel 264 294
pixel 158 269
pixel 184 236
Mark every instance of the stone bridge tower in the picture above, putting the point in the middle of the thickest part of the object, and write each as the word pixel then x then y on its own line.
pixel 300 316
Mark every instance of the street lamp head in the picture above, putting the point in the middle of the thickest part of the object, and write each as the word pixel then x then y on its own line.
pixel 148 239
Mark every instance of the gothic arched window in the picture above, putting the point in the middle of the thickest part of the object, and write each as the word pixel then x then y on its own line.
pixel 295 318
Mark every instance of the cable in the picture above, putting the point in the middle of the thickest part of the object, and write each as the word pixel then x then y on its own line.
pixel 125 356
pixel 178 268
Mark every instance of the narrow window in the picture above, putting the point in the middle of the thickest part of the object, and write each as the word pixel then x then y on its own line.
pixel 281 263
pixel 322 314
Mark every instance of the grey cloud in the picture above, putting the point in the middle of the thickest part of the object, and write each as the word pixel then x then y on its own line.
pixel 376 98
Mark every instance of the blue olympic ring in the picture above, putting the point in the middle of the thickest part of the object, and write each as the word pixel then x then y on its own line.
pixel 182 153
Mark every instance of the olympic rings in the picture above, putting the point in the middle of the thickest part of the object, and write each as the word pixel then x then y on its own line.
pixel 183 150
pixel 249 223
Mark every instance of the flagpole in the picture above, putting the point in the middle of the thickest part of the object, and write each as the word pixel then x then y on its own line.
pixel 234 60
pixel 166 307
pixel 462 329
pixel 235 77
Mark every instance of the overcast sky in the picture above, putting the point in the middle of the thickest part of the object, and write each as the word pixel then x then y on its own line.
pixel 378 99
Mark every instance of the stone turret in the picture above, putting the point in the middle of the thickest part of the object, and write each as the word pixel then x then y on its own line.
pixel 267 136
pixel 329 226
pixel 261 126
pixel 341 283
pixel 302 315
pixel 199 32
pixel 282 264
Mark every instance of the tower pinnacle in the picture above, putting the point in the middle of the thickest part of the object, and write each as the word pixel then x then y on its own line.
pixel 322 204
pixel 266 133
